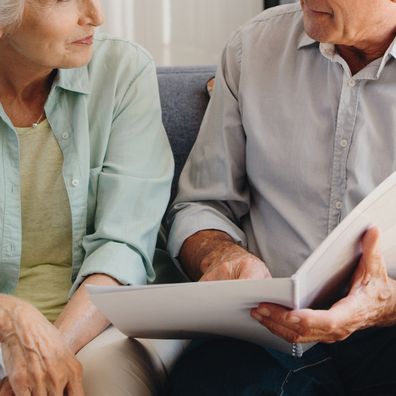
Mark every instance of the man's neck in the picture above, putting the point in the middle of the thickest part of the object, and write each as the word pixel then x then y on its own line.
pixel 358 57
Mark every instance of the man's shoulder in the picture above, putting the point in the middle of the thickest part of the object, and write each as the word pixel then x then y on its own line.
pixel 277 24
pixel 283 12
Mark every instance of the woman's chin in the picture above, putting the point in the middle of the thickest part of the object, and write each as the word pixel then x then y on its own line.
pixel 76 60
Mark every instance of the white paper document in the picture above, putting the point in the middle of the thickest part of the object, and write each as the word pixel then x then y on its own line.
pixel 222 308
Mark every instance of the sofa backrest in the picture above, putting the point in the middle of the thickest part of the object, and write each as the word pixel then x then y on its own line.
pixel 183 100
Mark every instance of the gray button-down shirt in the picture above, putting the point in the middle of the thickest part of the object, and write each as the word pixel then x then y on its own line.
pixel 290 143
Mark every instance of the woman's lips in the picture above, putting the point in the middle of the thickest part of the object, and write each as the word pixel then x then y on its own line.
pixel 85 41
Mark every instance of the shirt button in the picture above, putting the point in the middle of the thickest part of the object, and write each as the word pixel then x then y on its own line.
pixel 338 205
pixel 65 135
pixel 75 182
pixel 351 82
pixel 9 249
pixel 344 143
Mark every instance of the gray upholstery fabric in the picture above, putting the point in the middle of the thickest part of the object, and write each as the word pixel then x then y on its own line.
pixel 184 100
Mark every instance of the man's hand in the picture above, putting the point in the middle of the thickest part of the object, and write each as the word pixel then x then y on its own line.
pixel 371 302
pixel 213 255
pixel 36 358
pixel 229 261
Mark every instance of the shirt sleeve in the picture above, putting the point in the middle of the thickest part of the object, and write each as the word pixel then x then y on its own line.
pixel 213 190
pixel 133 187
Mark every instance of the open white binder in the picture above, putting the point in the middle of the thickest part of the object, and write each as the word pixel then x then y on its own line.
pixel 188 310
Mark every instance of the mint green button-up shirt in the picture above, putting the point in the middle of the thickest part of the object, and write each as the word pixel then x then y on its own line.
pixel 117 166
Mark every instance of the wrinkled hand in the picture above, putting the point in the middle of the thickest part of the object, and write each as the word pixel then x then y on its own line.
pixel 229 261
pixel 370 302
pixel 36 358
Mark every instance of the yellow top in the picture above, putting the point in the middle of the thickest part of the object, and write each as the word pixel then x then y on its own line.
pixel 45 272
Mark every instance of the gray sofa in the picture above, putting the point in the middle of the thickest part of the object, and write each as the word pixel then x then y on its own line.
pixel 184 100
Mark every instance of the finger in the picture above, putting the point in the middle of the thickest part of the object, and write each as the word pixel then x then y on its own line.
pixel 15 364
pixel 56 381
pixel 372 257
pixel 5 388
pixel 254 272
pixel 219 272
pixel 36 374
pixel 75 388
pixel 278 329
pixel 280 314
pixel 212 276
pixel 310 325
pixel 371 264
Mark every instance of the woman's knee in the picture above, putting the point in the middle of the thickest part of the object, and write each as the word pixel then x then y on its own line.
pixel 120 368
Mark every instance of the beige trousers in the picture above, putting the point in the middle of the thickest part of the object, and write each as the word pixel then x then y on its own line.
pixel 115 365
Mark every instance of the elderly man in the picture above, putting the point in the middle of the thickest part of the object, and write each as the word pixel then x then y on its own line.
pixel 300 128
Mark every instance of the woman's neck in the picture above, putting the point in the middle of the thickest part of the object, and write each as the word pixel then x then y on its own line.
pixel 24 86
pixel 21 79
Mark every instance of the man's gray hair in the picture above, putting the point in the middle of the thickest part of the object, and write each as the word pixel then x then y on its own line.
pixel 11 12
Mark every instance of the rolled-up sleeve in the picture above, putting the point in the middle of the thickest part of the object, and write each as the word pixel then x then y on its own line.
pixel 213 191
pixel 133 187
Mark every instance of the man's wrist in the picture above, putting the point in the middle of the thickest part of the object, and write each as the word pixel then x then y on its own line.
pixel 198 247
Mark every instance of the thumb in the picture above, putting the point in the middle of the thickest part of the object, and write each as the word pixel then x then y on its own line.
pixel 372 260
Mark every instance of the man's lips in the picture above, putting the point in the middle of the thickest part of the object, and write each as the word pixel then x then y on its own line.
pixel 320 12
pixel 86 40
pixel 317 11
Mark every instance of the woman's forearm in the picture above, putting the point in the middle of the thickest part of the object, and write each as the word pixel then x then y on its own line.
pixel 81 321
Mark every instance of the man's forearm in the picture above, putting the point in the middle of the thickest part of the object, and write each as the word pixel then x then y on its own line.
pixel 81 321
pixel 198 246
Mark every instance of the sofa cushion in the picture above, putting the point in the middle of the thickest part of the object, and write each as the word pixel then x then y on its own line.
pixel 184 99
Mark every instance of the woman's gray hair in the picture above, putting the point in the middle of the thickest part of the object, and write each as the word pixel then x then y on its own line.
pixel 10 13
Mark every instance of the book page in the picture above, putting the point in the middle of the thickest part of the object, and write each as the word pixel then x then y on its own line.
pixel 196 309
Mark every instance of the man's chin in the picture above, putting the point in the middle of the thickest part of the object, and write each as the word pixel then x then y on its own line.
pixel 318 33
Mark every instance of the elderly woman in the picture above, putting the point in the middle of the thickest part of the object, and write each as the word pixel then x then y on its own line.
pixel 85 175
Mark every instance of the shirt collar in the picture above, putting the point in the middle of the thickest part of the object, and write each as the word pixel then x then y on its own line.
pixel 305 41
pixel 76 80
pixel 392 48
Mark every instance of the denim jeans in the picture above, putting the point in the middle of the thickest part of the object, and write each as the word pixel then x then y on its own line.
pixel 361 365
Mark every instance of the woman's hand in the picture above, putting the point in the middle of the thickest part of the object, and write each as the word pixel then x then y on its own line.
pixel 5 388
pixel 36 358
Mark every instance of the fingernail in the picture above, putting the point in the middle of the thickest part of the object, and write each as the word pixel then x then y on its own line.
pixel 294 319
pixel 257 316
pixel 265 312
